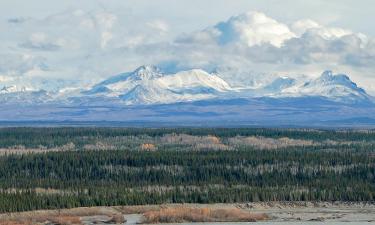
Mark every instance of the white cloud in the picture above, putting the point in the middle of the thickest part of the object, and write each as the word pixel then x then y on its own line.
pixel 256 28
pixel 301 26
pixel 106 37
pixel 40 41
pixel 269 41
pixel 252 28
pixel 329 33
pixel 159 25
pixel 5 78
pixel 105 20
pixel 13 64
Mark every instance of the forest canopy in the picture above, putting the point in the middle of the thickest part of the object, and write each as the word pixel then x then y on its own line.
pixel 49 168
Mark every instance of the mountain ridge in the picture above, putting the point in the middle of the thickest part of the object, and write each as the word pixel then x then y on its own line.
pixel 149 85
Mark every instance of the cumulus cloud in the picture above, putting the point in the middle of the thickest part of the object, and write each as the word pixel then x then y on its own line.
pixel 268 41
pixel 252 28
pixel 301 26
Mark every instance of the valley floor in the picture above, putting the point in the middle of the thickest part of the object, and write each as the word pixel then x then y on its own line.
pixel 272 212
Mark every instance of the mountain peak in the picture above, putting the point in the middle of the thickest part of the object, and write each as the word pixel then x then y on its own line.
pixel 327 74
pixel 338 87
pixel 147 72
pixel 338 79
pixel 12 89
pixel 118 82
pixel 147 67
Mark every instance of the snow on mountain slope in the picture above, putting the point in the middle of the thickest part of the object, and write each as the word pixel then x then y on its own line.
pixel 25 97
pixel 279 84
pixel 12 94
pixel 153 93
pixel 125 82
pixel 194 79
pixel 12 89
pixel 148 85
pixel 337 87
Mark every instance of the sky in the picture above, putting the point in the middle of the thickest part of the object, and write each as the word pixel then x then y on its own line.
pixel 59 44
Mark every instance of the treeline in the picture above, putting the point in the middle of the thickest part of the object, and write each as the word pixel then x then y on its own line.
pixel 126 177
pixel 54 137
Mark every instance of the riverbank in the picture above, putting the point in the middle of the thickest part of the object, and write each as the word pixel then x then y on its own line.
pixel 177 213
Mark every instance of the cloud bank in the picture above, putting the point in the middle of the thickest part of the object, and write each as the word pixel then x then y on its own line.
pixel 80 47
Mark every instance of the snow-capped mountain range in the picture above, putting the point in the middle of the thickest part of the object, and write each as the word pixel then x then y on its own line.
pixel 194 98
pixel 336 87
pixel 149 85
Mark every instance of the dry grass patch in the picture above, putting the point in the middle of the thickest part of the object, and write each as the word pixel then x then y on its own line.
pixel 148 147
pixel 269 143
pixel 139 209
pixel 208 142
pixel 99 146
pixel 65 220
pixel 185 214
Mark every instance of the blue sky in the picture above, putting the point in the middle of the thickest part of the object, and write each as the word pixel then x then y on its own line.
pixel 61 43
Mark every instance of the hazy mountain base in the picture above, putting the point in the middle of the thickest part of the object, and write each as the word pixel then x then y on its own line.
pixel 265 112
